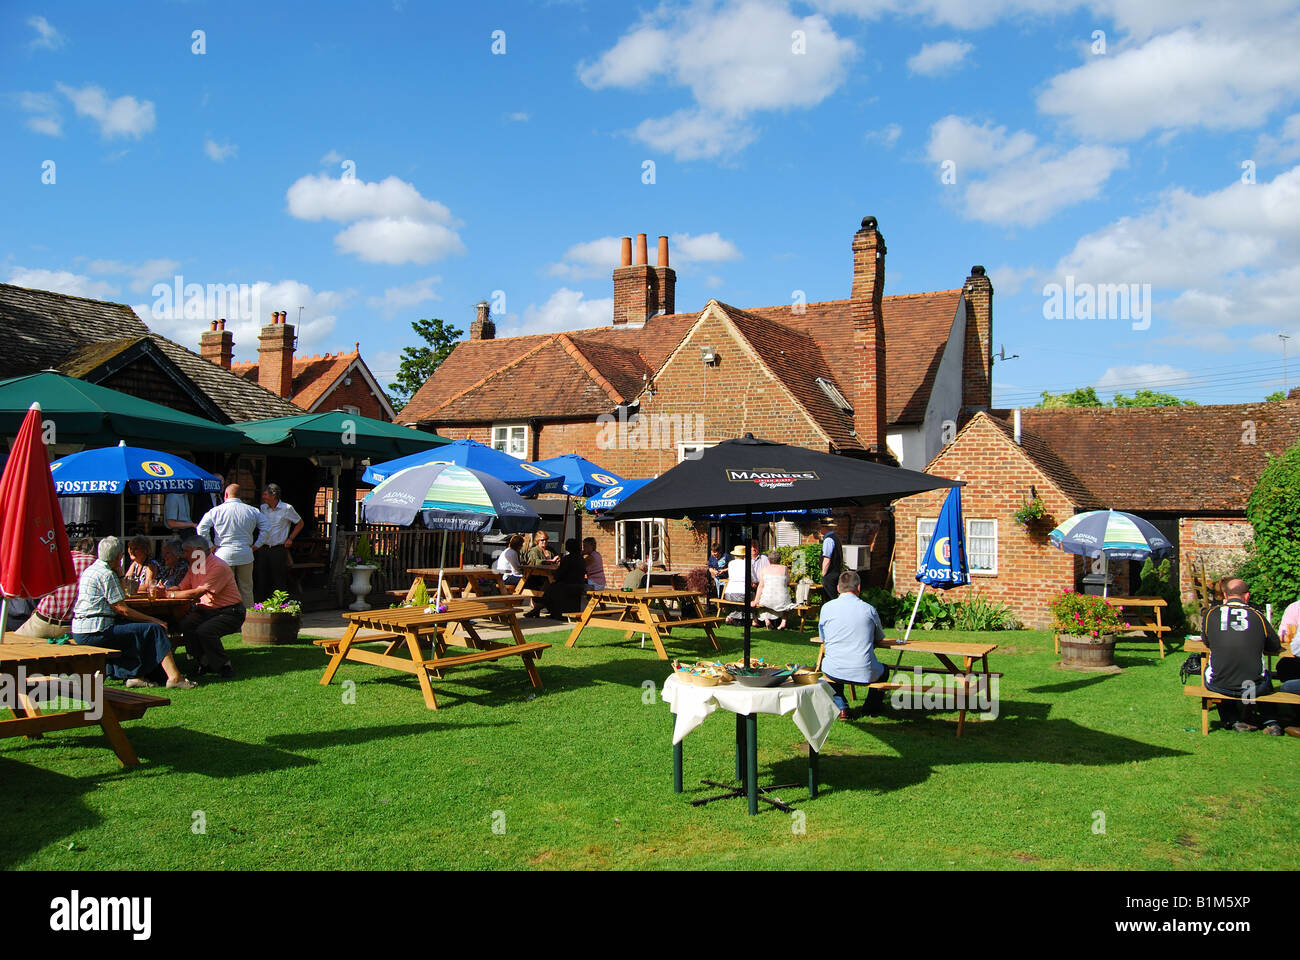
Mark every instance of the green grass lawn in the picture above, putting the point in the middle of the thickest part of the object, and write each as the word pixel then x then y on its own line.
pixel 289 776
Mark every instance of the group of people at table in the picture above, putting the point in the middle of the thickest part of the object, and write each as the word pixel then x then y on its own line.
pixel 581 567
pixel 212 566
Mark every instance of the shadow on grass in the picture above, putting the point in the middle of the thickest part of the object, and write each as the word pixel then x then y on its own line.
pixel 353 736
pixel 1069 686
pixel 40 808
pixel 190 751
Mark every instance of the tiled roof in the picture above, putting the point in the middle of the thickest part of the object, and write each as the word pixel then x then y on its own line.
pixel 1047 460
pixel 313 376
pixel 797 361
pixel 917 327
pixel 43 329
pixel 1183 459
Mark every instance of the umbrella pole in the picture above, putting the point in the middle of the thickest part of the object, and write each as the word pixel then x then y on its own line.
pixel 4 616
pixel 912 618
pixel 1105 575
pixel 121 513
pixel 745 538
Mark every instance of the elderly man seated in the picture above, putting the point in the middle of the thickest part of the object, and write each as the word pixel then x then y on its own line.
pixel 850 629
pixel 219 611
pixel 144 644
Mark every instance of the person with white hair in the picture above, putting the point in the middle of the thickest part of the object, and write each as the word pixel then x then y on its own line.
pixel 143 642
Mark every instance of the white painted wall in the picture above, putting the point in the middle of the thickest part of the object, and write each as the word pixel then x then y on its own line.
pixel 915 446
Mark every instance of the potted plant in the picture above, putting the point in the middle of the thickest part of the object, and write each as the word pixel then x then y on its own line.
pixel 276 619
pixel 1031 512
pixel 362 568
pixel 1085 628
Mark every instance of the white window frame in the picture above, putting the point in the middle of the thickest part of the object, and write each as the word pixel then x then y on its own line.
pixel 506 438
pixel 697 447
pixel 654 530
pixel 924 544
pixel 350 409
pixel 992 571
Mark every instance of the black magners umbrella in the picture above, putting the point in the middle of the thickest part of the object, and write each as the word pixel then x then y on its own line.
pixel 759 477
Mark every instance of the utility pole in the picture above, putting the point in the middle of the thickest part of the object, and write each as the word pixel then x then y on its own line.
pixel 1284 338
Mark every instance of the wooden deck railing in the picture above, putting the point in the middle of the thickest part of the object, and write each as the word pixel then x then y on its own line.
pixel 398 549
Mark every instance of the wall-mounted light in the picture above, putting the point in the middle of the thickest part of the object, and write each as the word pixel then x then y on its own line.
pixel 709 354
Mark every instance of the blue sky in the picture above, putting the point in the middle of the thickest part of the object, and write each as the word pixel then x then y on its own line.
pixel 377 163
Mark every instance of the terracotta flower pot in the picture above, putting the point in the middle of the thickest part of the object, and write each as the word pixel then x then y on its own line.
pixel 265 627
pixel 1087 652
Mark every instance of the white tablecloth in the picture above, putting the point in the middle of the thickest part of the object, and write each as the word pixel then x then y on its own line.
pixel 812 705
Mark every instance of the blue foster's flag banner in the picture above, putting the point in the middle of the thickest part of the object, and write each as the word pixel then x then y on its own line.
pixel 944 563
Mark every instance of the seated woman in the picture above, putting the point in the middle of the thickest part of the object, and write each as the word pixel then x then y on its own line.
pixel 735 589
pixel 509 564
pixel 774 591
pixel 565 594
pixel 144 644
pixel 143 571
pixel 174 567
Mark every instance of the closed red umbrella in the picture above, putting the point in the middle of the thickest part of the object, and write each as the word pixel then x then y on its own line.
pixel 34 555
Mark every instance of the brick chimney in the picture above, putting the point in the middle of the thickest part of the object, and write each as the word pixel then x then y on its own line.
pixel 275 356
pixel 977 359
pixel 218 344
pixel 637 285
pixel 869 337
pixel 482 328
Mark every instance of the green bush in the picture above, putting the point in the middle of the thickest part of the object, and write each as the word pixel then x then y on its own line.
pixel 1274 512
pixel 803 561
pixel 1157 581
pixel 886 604
pixel 981 613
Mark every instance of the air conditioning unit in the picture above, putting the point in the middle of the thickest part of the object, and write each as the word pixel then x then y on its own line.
pixel 857 556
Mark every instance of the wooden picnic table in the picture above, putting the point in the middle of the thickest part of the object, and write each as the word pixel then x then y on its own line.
pixel 38 658
pixel 643 611
pixel 943 650
pixel 1144 614
pixel 547 571
pixel 412 626
pixel 170 610
pixel 1197 645
pixel 457 582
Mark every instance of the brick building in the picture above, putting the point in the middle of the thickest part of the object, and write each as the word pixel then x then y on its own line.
pixel 334 381
pixel 870 376
pixel 1187 470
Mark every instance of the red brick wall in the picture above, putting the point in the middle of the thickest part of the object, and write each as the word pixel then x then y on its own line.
pixel 977 357
pixel 357 394
pixel 998 477
pixel 1216 544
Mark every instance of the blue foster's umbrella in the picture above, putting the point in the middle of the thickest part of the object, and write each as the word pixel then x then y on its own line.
pixel 944 564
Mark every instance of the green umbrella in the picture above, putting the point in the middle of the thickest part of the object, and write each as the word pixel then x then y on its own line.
pixel 86 413
pixel 346 434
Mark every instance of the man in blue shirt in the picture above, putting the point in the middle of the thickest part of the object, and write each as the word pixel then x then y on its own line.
pixel 832 558
pixel 850 628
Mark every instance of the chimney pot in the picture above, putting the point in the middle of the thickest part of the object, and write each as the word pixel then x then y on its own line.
pixel 214 324
pixel 977 271
pixel 641 258
pixel 625 252
pixel 221 324
pixel 663 251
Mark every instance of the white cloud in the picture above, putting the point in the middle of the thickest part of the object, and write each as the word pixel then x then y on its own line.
pixel 887 135
pixel 142 275
pixel 938 58
pixel 1283 148
pixel 598 258
pixel 45 107
pixel 333 158
pixel 1142 376
pixel 565 309
pixel 1226 260
pixel 1010 280
pixel 409 295
pixel 520 117
pixel 393 222
pixel 63 281
pixel 122 117
pixel 736 58
pixel 1225 77
pixel 47 38
pixel 260 299
pixel 219 152
pixel 1009 179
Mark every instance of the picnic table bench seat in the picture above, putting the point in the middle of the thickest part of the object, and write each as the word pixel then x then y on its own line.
pixel 1209 697
pixel 800 611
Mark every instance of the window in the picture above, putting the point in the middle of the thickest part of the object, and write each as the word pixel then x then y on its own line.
pixel 635 539
pixel 982 546
pixel 348 408
pixel 924 531
pixel 512 439
pixel 787 534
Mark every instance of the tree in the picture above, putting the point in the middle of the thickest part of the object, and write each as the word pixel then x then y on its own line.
pixel 1274 513
pixel 419 363
pixel 1083 397
pixel 1277 396
pixel 1150 398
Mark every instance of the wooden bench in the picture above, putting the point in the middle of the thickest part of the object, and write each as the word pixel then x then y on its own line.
pixel 801 611
pixel 1209 696
pixel 132 704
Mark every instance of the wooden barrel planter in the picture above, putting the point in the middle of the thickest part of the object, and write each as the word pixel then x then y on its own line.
pixel 261 627
pixel 1085 652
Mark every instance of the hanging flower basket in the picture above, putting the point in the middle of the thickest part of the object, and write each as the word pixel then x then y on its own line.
pixel 1031 512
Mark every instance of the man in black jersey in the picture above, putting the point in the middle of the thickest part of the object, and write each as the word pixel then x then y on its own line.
pixel 1238 636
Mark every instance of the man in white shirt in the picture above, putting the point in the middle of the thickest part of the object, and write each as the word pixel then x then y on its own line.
pixel 280 527
pixel 232 528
